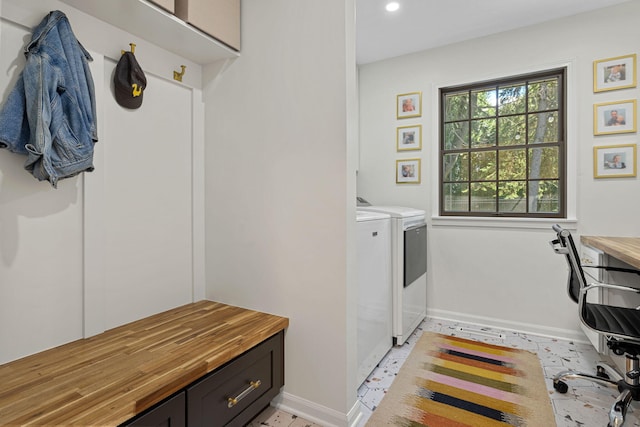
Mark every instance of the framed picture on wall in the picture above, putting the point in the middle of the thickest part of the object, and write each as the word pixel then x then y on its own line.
pixel 409 138
pixel 614 161
pixel 409 105
pixel 614 73
pixel 614 117
pixel 408 171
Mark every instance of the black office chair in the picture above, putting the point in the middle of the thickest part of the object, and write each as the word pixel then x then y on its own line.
pixel 620 326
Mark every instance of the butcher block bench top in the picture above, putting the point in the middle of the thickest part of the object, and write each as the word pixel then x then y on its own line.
pixel 111 377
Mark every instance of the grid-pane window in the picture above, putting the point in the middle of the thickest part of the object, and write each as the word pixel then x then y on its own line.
pixel 502 147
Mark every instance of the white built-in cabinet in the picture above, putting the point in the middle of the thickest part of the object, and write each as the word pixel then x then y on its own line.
pixel 127 240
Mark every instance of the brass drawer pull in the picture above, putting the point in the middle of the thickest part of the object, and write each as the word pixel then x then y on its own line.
pixel 232 401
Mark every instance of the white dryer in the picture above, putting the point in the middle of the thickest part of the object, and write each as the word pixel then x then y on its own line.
pixel 408 267
pixel 374 291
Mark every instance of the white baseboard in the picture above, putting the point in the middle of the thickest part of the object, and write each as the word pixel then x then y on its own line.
pixel 315 413
pixel 546 331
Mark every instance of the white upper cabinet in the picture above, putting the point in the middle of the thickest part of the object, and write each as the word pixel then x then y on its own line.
pixel 158 26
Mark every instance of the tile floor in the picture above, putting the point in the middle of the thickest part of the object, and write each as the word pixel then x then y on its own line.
pixel 584 405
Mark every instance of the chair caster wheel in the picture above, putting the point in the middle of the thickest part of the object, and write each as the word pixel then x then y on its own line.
pixel 560 386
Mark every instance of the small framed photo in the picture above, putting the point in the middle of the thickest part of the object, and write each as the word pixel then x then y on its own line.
pixel 409 138
pixel 408 171
pixel 614 73
pixel 614 161
pixel 409 105
pixel 614 117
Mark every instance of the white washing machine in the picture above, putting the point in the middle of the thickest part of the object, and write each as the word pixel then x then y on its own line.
pixel 408 267
pixel 374 291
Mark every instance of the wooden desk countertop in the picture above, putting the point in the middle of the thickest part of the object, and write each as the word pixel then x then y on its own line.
pixel 111 377
pixel 625 249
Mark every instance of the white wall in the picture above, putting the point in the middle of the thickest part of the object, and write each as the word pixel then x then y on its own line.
pixel 280 191
pixel 503 274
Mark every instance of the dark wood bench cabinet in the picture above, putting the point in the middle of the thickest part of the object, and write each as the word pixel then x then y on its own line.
pixel 230 396
pixel 202 364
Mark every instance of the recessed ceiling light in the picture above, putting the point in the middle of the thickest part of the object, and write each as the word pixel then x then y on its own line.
pixel 393 6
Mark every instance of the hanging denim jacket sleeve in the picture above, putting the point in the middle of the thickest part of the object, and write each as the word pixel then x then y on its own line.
pixel 14 127
pixel 37 94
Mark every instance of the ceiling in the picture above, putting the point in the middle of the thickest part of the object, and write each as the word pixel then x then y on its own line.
pixel 425 24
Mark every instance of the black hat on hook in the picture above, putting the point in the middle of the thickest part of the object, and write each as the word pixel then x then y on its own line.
pixel 129 81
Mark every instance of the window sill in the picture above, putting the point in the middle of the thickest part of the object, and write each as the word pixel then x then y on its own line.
pixel 505 223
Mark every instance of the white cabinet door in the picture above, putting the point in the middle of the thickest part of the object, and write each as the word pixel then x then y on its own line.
pixel 40 246
pixel 148 201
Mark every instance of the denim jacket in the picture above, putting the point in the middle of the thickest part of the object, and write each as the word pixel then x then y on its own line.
pixel 50 114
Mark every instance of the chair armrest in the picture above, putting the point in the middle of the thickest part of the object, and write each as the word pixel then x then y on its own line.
pixel 610 286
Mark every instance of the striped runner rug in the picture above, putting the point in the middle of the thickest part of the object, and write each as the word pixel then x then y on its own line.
pixel 455 382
